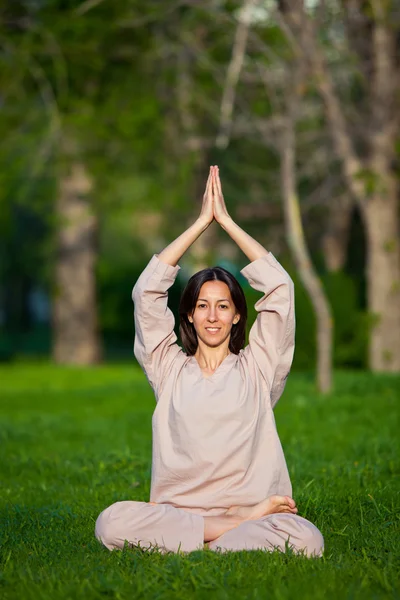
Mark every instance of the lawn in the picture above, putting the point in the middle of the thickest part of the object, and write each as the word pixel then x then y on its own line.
pixel 73 441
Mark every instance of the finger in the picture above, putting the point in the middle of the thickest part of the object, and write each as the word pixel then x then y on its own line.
pixel 217 180
pixel 209 183
pixel 213 180
pixel 218 186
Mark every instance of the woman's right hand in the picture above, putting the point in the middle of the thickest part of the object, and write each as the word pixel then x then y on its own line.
pixel 207 211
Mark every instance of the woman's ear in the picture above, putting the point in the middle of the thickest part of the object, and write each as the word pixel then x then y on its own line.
pixel 190 318
pixel 236 319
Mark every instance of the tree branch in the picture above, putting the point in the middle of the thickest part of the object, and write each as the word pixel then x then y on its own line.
pixel 302 27
pixel 384 115
pixel 233 74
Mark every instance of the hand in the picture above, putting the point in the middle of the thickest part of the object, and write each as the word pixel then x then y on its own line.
pixel 220 211
pixel 207 213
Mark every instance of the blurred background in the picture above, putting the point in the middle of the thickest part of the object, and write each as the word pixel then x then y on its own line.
pixel 112 112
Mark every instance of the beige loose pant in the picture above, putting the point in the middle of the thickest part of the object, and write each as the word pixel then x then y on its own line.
pixel 174 529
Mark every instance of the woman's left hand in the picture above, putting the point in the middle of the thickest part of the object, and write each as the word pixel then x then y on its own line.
pixel 220 211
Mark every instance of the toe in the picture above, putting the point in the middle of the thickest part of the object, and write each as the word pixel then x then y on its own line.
pixel 280 500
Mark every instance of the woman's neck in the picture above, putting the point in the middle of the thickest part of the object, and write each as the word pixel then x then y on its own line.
pixel 208 358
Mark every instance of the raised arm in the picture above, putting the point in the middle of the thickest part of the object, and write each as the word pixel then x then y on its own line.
pixel 271 338
pixel 251 248
pixel 174 252
pixel 155 344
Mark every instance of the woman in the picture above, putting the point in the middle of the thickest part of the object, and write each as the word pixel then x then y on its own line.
pixel 219 475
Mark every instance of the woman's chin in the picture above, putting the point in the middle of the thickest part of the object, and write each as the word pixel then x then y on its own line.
pixel 213 340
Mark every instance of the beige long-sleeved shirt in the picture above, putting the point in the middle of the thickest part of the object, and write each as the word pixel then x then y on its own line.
pixel 215 442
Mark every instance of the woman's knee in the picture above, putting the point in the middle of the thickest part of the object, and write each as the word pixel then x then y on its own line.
pixel 310 541
pixel 287 531
pixel 110 523
pixel 274 532
pixel 315 543
pixel 103 528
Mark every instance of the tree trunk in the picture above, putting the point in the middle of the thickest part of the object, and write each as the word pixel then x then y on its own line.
pixel 380 210
pixel 298 247
pixel 75 328
pixel 336 236
pixel 383 274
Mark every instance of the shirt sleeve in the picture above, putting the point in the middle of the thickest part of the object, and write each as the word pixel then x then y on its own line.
pixel 155 346
pixel 271 338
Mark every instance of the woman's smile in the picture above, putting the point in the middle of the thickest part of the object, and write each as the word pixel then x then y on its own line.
pixel 213 330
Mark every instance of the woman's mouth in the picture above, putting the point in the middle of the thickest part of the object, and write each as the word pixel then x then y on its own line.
pixel 212 329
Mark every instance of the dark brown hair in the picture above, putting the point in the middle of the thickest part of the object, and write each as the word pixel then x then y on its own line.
pixel 188 303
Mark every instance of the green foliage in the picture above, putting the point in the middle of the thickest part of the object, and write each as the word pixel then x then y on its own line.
pixel 351 328
pixel 73 441
pixel 130 83
pixel 371 181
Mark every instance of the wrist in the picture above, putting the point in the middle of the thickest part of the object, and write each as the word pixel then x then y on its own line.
pixel 226 222
pixel 202 224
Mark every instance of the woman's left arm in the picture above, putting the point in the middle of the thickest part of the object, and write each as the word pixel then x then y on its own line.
pixel 251 248
pixel 271 338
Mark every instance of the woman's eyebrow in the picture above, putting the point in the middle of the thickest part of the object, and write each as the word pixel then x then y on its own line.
pixel 220 300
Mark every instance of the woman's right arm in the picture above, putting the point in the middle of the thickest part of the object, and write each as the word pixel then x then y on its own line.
pixel 172 254
pixel 155 345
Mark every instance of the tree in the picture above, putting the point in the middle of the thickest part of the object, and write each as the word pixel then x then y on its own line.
pixel 296 238
pixel 368 162
pixel 80 68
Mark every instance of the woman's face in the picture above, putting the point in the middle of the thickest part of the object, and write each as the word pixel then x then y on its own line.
pixel 214 313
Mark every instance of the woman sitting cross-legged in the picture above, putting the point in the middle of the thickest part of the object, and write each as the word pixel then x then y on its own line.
pixel 219 476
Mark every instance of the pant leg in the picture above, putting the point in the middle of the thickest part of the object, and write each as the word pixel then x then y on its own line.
pixel 170 528
pixel 273 532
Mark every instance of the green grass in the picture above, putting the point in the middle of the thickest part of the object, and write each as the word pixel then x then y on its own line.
pixel 72 441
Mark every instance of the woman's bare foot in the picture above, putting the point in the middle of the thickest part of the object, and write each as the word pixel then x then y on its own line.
pixel 214 527
pixel 269 506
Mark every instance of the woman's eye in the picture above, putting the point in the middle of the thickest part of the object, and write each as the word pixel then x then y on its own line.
pixel 205 306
